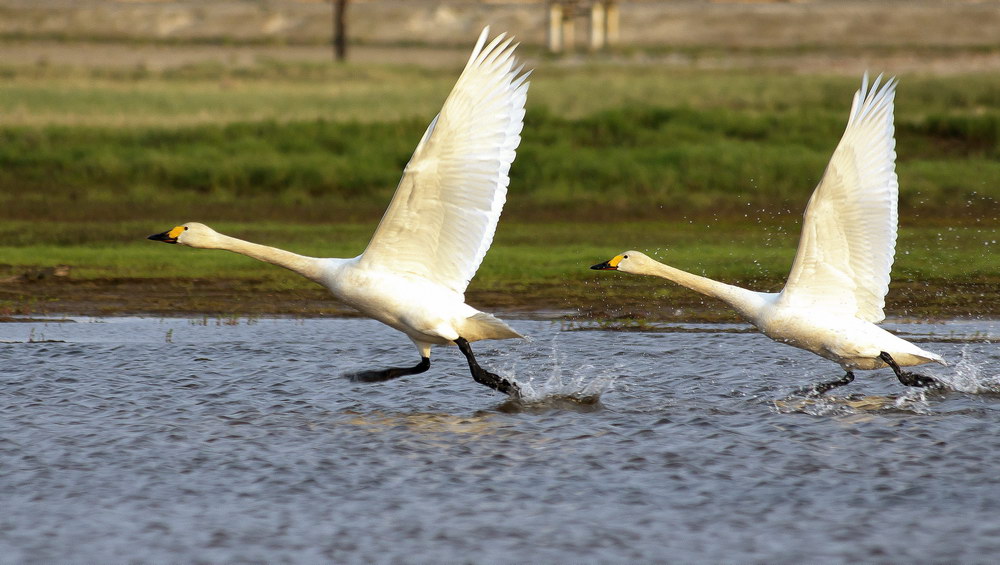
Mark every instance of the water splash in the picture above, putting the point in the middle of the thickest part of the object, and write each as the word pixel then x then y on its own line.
pixel 549 377
pixel 968 376
pixel 573 386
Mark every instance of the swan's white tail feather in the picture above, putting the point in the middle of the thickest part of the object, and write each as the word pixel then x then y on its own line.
pixel 486 326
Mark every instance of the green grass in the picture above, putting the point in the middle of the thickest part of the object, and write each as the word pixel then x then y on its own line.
pixel 708 171
pixel 753 254
pixel 749 142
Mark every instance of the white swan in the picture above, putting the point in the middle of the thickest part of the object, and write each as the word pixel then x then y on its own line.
pixel 438 226
pixel 836 289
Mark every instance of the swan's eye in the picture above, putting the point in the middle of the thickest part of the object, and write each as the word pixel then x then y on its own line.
pixel 624 256
pixel 186 228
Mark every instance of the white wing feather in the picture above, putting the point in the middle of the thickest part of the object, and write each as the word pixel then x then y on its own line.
pixel 442 219
pixel 848 237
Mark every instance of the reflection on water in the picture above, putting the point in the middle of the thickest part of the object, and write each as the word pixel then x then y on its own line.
pixel 577 402
pixel 426 424
pixel 177 440
pixel 909 401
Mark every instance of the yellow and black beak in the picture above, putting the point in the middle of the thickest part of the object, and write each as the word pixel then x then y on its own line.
pixel 611 265
pixel 168 236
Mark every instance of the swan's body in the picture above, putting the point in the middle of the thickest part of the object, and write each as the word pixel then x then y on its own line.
pixel 438 227
pixel 836 290
pixel 427 312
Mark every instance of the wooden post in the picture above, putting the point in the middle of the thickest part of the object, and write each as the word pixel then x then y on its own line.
pixel 555 16
pixel 569 27
pixel 340 30
pixel 611 16
pixel 597 25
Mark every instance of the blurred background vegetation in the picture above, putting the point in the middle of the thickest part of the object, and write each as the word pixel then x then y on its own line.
pixel 704 150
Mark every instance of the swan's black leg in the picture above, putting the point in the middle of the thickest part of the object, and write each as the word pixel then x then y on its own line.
pixel 390 373
pixel 909 379
pixel 483 376
pixel 818 389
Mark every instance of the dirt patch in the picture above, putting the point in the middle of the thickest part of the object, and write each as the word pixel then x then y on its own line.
pixel 155 58
pixel 159 57
pixel 714 23
pixel 924 300
pixel 829 36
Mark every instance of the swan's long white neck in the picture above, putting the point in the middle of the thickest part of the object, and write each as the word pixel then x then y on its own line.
pixel 746 302
pixel 309 267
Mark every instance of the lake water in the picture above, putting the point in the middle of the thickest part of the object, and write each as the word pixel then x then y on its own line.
pixel 175 440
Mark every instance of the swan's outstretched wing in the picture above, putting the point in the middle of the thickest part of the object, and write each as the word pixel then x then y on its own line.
pixel 849 230
pixel 442 218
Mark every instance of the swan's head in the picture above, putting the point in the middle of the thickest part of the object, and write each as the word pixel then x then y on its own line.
pixel 628 262
pixel 191 234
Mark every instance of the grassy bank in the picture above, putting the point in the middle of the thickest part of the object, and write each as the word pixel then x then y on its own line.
pixel 710 170
pixel 939 272
pixel 328 143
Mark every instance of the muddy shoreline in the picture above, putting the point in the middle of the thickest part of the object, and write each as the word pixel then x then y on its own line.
pixel 910 301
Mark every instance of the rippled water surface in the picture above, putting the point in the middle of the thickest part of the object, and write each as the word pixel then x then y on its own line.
pixel 231 441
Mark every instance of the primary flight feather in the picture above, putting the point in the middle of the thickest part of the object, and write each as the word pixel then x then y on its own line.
pixel 442 218
pixel 848 237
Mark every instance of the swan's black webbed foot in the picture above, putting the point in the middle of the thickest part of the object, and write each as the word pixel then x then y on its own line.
pixel 482 376
pixel 907 378
pixel 390 373
pixel 820 388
